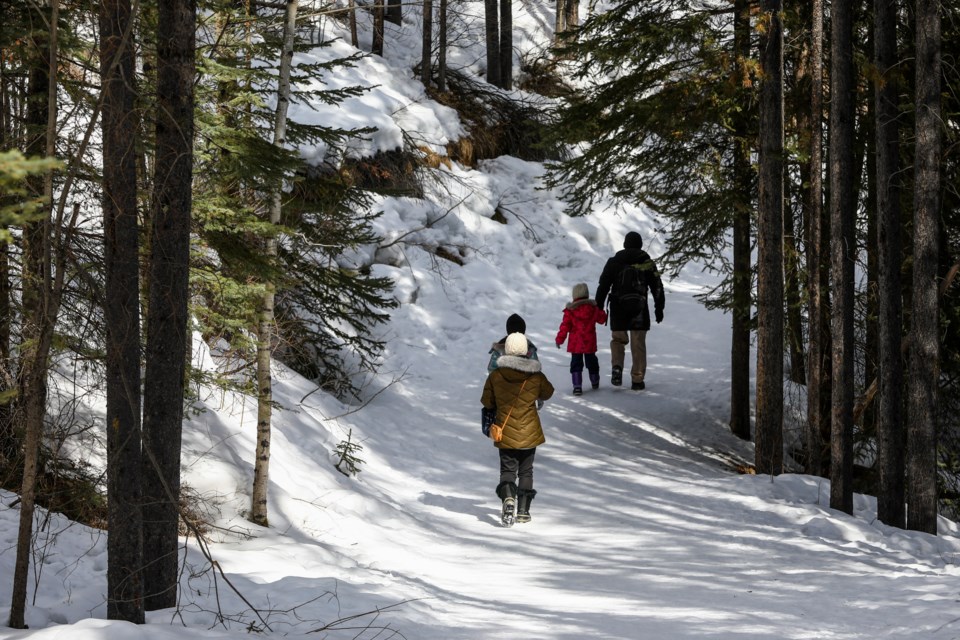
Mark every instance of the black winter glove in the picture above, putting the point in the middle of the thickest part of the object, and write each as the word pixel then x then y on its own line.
pixel 659 314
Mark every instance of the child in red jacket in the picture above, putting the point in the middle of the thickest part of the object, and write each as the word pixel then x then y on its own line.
pixel 580 320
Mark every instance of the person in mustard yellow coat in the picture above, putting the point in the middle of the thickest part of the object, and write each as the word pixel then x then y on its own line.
pixel 513 389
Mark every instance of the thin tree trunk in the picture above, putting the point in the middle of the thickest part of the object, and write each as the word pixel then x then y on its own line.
pixel 426 53
pixel 122 316
pixel 354 39
pixel 491 25
pixel 37 325
pixel 793 285
pixel 742 277
pixel 506 44
pixel 378 18
pixel 267 324
pixel 442 53
pixel 167 328
pixel 818 369
pixel 770 302
pixel 924 361
pixel 560 22
pixel 842 253
pixel 890 431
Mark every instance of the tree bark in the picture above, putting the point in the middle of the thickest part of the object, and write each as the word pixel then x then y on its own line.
pixel 378 19
pixel 426 54
pixel 442 49
pixel 395 12
pixel 924 361
pixel 352 8
pixel 506 44
pixel 168 335
pixel 492 33
pixel 742 276
pixel 818 359
pixel 39 309
pixel 890 430
pixel 267 325
pixel 770 301
pixel 122 315
pixel 842 253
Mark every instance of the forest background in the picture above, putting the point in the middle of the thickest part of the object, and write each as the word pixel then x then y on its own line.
pixel 155 180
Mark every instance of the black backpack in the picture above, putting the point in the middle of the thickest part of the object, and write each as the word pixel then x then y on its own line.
pixel 631 288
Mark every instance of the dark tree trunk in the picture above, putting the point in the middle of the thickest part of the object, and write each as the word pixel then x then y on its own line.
pixel 506 44
pixel 842 252
pixel 442 52
pixel 793 286
pixel 8 442
pixel 818 360
pixel 742 277
pixel 924 361
pixel 426 52
pixel 38 310
pixel 770 301
pixel 352 21
pixel 376 47
pixel 122 315
pixel 491 14
pixel 890 431
pixel 167 328
pixel 395 11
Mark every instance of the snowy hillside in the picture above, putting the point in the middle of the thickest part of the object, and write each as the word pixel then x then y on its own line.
pixel 641 528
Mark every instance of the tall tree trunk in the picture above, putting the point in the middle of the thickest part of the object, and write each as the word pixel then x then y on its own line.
pixel 167 331
pixel 560 22
pixel 378 18
pixel 267 324
pixel 842 253
pixel 352 8
pixel 122 315
pixel 36 325
pixel 395 11
pixel 924 360
pixel 793 286
pixel 890 431
pixel 572 18
pixel 770 302
pixel 491 27
pixel 506 44
pixel 8 440
pixel 818 369
pixel 742 277
pixel 442 53
pixel 426 52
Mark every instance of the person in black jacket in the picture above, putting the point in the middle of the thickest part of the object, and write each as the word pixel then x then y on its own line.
pixel 629 323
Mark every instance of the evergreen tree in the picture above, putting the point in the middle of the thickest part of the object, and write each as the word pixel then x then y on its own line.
pixel 843 204
pixel 924 360
pixel 770 296
pixel 168 334
pixel 890 431
pixel 325 310
pixel 671 123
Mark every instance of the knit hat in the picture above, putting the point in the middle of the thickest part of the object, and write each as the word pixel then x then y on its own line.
pixel 516 345
pixel 515 324
pixel 633 241
pixel 580 290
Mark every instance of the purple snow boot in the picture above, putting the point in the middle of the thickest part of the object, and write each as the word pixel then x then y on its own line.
pixel 595 380
pixel 577 382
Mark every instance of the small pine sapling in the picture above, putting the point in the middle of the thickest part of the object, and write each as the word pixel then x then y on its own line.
pixel 347 460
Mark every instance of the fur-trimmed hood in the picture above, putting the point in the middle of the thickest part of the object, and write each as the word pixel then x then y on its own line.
pixel 581 301
pixel 519 363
